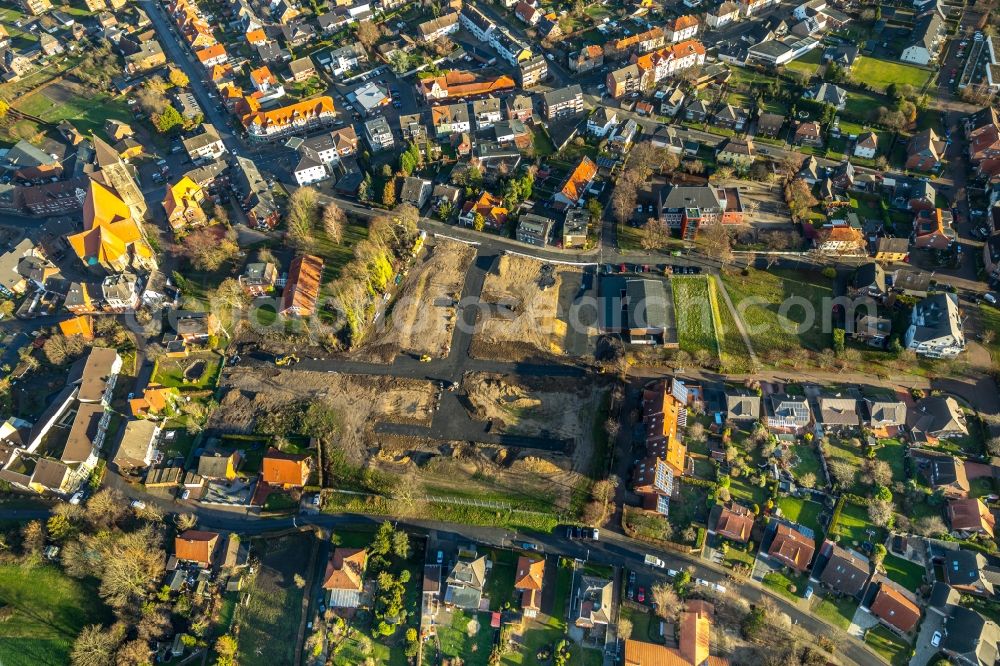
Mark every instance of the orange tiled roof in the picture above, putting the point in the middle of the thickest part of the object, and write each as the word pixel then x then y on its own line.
pixel 346 569
pixel 464 84
pixel 284 469
pixel 792 547
pixel 210 52
pixel 82 325
pixel 285 115
pixel 632 40
pixel 302 288
pixel 256 36
pixel 108 227
pixel 580 179
pixel 195 546
pixel 529 574
pixel 153 400
pixel 895 608
pixel 490 207
pixel 262 75
pixel 684 22
pixel 220 72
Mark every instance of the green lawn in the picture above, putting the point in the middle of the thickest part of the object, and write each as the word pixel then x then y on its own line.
pixel 838 612
pixel 890 647
pixel 269 621
pixel 500 586
pixel 880 73
pixel 989 319
pixel 808 462
pixel 732 349
pixel 863 106
pixel 904 572
pixel 695 329
pixel 629 238
pixel 893 452
pixel 801 511
pixel 784 583
pixel 808 63
pixel 456 641
pixel 781 309
pixel 48 610
pixel 169 372
pixel 88 113
pixel 852 525
pixel 837 448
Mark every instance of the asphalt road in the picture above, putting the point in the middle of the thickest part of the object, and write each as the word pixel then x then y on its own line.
pixel 613 549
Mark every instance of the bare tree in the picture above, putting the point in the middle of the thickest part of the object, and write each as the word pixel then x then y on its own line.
pixel 880 513
pixel 186 521
pixel 655 234
pixel 624 628
pixel 95 646
pixel 842 472
pixel 367 33
pixel 876 472
pixel 303 213
pixel 623 200
pixel 668 603
pixel 930 526
pixel 334 221
pixel 715 242
pixel 106 508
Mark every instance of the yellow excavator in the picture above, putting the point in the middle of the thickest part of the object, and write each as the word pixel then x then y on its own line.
pixel 287 359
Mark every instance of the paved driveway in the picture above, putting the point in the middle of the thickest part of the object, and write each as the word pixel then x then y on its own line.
pixel 923 651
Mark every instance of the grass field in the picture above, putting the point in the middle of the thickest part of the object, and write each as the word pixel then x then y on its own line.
pixel 49 610
pixel 695 329
pixel 269 622
pixel 838 612
pixel 456 641
pixel 781 309
pixel 893 452
pixel 890 646
pixel 880 73
pixel 169 372
pixel 733 351
pixel 807 64
pixel 803 512
pixel 63 101
pixel 852 526
pixel 808 462
pixel 784 584
pixel 904 572
pixel 989 318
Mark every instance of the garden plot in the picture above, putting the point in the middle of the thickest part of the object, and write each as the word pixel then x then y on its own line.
pixel 423 318
pixel 531 312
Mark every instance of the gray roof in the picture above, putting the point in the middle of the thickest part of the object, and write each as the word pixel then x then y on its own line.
pixel 869 275
pixel 413 188
pixel 885 412
pixel 562 95
pixel 742 406
pixel 838 410
pixel 938 415
pixel 794 409
pixel 935 317
pixel 927 30
pixel 677 197
pixel 972 636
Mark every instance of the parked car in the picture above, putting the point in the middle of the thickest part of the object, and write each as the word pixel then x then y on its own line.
pixel 526 545
pixel 809 592
pixel 138 504
pixel 936 639
pixel 641 595
pixel 77 497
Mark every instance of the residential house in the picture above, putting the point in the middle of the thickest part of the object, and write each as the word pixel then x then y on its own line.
pixel 791 546
pixel 347 58
pixel 344 577
pixel 808 134
pixel 983 132
pixel 840 240
pixel 196 546
pixel 154 402
pixel 256 197
pixel 827 93
pixel 932 229
pixel 298 34
pixel 519 107
pixel 991 256
pixel 661 416
pixel 121 292
pixel 838 413
pixel 415 191
pixel 970 516
pixel 970 638
pixel 869 281
pixel 528 581
pixel 738 153
pixel 456 84
pixel 450 119
pixel 379 134
pixel 788 413
pixel 534 229
pixel 285 470
pixel 563 102
pixel 623 137
pixel 602 121
pixel 731 117
pixel 925 151
pixel 733 522
pixel 672 102
pixel 184 203
pixel 219 465
pixel 890 249
pixel 695 624
pixel 135 450
pixel 465 582
pixel 968 571
pixel 770 124
pixel 925 40
pixel 681 28
pixel 947 476
pixel 866 146
pixel 577 183
pixel 591 602
pixel 204 146
pixel 895 607
pixel 491 208
pixel 435 29
pixel 935 327
pixel 723 15
pixel 258 278
pixel 302 289
pixel 50 45
pixel 653 482
pixel 646 71
pixel 532 71
pixel 574 234
pixel 884 417
pixel 302 69
pixel 586 59
pixel 742 406
pixel 210 56
pixel 82 325
pixel 842 570
pixel 527 13
pixel 696 111
pixel 486 112
pixel 413 128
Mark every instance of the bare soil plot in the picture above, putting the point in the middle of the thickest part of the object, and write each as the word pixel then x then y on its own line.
pixel 530 304
pixel 360 400
pixel 532 406
pixel 423 318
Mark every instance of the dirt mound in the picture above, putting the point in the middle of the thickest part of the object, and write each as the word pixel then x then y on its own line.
pixel 537 465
